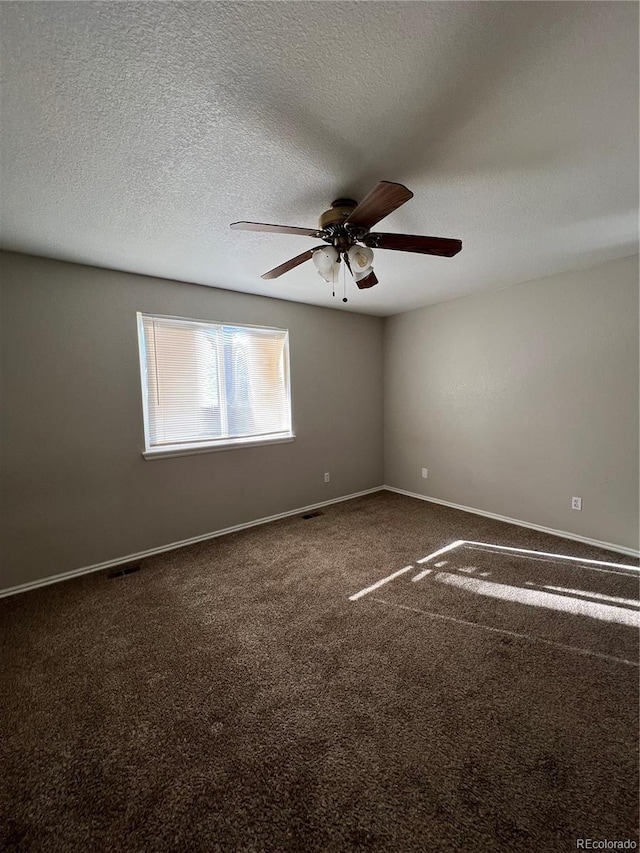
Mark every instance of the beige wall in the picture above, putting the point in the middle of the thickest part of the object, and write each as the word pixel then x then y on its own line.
pixel 518 399
pixel 75 488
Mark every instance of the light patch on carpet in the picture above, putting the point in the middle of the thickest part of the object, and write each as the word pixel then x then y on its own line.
pixel 612 599
pixel 422 574
pixel 528 637
pixel 379 583
pixel 558 557
pixel 556 562
pixel 537 598
pixel 440 551
pixel 495 549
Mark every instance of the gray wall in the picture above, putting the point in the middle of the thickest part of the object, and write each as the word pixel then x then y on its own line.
pixel 515 400
pixel 76 490
pixel 518 399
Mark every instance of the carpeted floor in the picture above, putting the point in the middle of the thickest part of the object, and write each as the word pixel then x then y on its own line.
pixel 230 697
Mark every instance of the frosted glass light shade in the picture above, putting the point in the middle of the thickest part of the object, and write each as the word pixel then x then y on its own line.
pixel 360 258
pixel 324 259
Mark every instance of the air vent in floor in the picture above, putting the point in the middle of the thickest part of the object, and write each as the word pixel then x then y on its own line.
pixel 312 514
pixel 124 570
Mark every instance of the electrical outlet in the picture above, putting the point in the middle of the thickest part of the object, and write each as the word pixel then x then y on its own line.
pixel 327 477
pixel 576 503
pixel 425 473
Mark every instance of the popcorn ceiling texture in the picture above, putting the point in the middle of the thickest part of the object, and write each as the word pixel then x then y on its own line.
pixel 133 134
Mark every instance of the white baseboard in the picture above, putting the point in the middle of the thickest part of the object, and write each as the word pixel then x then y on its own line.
pixel 14 590
pixel 608 546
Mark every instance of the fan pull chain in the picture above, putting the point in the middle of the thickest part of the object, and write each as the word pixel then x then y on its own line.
pixel 344 283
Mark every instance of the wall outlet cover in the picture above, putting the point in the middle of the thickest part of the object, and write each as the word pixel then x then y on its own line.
pixel 425 473
pixel 576 503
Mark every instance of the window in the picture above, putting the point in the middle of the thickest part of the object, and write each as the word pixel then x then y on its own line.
pixel 207 386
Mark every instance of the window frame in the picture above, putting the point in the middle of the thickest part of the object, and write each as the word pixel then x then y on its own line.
pixel 186 448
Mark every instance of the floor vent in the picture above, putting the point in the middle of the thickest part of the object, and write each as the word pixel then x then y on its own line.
pixel 312 514
pixel 125 570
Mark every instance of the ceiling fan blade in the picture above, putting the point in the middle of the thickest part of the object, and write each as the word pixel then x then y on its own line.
pixel 443 246
pixel 369 281
pixel 276 272
pixel 383 199
pixel 277 229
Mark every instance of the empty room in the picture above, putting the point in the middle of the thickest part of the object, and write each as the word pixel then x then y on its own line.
pixel 319 427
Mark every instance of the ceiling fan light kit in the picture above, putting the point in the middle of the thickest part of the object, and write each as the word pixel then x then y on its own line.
pixel 325 260
pixel 360 258
pixel 345 227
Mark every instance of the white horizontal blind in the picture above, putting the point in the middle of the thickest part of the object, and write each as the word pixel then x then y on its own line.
pixel 212 383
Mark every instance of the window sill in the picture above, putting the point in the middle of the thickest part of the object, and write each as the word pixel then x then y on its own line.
pixel 192 449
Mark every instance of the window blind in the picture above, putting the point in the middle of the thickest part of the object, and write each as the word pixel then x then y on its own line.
pixel 212 383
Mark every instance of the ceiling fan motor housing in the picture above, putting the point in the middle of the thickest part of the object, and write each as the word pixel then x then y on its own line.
pixel 336 215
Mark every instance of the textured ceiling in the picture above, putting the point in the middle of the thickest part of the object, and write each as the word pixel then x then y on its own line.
pixel 134 133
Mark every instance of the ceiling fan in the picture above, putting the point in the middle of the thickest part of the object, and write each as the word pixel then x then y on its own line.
pixel 345 227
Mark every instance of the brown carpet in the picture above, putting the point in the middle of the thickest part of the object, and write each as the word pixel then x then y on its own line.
pixel 230 697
